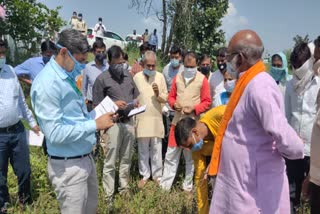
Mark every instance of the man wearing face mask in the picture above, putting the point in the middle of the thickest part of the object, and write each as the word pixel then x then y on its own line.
pixel 169 72
pixel 82 25
pixel 118 84
pixel 150 130
pixel 93 70
pixel 28 70
pixel 189 96
pixel 205 65
pixel 69 130
pixel 216 79
pixel 253 138
pixel 100 28
pixel 279 70
pixel 198 136
pixel 13 142
pixel 300 102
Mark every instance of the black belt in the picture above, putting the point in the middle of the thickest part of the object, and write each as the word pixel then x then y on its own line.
pixel 10 129
pixel 68 158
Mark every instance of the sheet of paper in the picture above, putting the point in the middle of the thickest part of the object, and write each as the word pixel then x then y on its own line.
pixel 106 106
pixel 34 139
pixel 136 111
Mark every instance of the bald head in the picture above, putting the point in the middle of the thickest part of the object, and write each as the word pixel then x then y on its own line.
pixel 247 43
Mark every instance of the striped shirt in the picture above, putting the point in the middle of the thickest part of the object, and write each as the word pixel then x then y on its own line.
pixel 13 106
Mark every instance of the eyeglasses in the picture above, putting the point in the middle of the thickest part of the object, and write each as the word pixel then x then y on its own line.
pixel 229 57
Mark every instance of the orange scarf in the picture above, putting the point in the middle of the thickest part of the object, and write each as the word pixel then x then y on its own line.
pixel 232 104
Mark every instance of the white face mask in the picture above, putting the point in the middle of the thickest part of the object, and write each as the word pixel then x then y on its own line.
pixel 303 70
pixel 316 68
pixel 2 62
pixel 229 85
pixel 190 72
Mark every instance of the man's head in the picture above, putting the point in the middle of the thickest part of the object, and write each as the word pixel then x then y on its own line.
pixel 146 31
pixel 155 31
pixel 205 65
pixel 118 65
pixel 300 55
pixel 80 16
pixel 99 51
pixel 149 63
pixel 72 50
pixel 221 59
pixel 3 49
pixel 144 48
pixel 134 32
pixel 74 14
pixel 48 48
pixel 188 133
pixel 229 82
pixel 245 49
pixel 175 56
pixel 100 19
pixel 190 65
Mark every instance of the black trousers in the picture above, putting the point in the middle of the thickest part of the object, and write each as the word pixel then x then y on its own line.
pixel 297 171
pixel 315 198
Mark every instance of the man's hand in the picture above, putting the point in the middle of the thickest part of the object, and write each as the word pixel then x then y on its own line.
pixel 155 89
pixel 121 104
pixel 188 110
pixel 105 121
pixel 36 129
pixel 305 192
pixel 177 107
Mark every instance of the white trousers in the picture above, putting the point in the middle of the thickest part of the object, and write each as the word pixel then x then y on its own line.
pixel 75 183
pixel 171 166
pixel 150 148
pixel 119 147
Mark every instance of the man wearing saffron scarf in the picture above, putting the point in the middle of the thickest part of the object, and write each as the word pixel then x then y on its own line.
pixel 253 138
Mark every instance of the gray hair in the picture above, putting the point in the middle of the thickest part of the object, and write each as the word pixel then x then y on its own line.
pixel 148 55
pixel 74 41
pixel 252 52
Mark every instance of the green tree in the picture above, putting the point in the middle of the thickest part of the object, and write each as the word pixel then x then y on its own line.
pixel 29 21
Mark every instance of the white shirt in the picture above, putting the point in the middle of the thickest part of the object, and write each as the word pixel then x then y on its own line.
pixel 301 110
pixel 100 29
pixel 216 81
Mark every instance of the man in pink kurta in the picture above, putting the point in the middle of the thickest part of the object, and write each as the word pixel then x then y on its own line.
pixel 252 174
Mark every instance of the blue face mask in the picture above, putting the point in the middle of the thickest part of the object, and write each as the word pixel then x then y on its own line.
pixel 277 73
pixel 198 145
pixel 149 73
pixel 175 62
pixel 77 68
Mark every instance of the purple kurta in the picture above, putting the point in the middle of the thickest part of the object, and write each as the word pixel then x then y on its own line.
pixel 252 173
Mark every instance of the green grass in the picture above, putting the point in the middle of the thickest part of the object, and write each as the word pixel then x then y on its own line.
pixel 149 200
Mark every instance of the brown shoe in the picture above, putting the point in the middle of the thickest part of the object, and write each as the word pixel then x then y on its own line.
pixel 142 183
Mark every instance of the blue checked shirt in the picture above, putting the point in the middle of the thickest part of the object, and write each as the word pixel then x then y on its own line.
pixel 30 67
pixel 61 113
pixel 13 106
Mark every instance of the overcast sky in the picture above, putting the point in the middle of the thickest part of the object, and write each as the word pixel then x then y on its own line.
pixel 277 22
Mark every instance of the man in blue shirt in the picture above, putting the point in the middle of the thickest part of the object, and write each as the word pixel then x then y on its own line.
pixel 29 69
pixel 153 41
pixel 13 141
pixel 67 126
pixel 93 70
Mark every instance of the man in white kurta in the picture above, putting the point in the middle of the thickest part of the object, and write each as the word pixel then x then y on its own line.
pixel 150 129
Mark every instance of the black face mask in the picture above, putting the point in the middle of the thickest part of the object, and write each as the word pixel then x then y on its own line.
pixel 205 70
pixel 222 67
pixel 117 70
pixel 101 57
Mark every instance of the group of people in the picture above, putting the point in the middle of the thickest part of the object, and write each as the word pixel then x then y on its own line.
pixel 239 126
